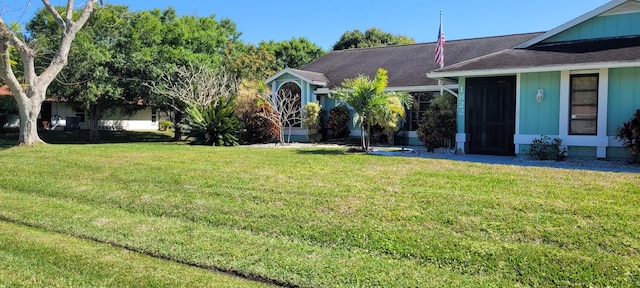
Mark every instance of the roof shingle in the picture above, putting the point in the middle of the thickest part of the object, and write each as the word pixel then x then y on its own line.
pixel 407 65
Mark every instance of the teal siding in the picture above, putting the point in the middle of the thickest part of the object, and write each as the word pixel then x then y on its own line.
pixel 624 96
pixel 581 152
pixel 327 104
pixel 539 118
pixel 524 149
pixel 618 153
pixel 602 27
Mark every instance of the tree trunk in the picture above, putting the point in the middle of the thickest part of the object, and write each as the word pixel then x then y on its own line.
pixel 363 141
pixel 368 135
pixel 177 126
pixel 29 110
pixel 94 114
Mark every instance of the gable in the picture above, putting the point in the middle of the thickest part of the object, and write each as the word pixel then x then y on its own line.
pixel 314 78
pixel 597 24
pixel 608 25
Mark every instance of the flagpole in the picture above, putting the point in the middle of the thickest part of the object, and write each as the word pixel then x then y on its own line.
pixel 440 18
pixel 440 80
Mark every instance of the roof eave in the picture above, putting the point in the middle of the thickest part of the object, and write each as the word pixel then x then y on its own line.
pixel 298 75
pixel 572 23
pixel 548 68
pixel 319 83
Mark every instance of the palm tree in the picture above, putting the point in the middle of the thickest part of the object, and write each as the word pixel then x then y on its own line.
pixel 368 98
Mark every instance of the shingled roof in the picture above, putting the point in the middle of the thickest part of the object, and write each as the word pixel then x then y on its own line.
pixel 607 52
pixel 407 65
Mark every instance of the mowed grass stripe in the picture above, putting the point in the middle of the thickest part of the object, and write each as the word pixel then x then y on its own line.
pixel 32 257
pixel 527 225
pixel 236 251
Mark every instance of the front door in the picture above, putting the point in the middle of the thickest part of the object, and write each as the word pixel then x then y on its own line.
pixel 490 105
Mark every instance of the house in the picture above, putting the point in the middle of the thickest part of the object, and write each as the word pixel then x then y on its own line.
pixel 407 66
pixel 59 115
pixel 577 82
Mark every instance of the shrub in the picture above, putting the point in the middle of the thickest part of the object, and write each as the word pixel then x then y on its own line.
pixel 215 124
pixel 338 124
pixel 437 128
pixel 311 121
pixel 163 125
pixel 544 148
pixel 629 134
pixel 257 128
pixel 389 119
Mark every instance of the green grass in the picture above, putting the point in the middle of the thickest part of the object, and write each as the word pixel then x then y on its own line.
pixel 35 258
pixel 325 217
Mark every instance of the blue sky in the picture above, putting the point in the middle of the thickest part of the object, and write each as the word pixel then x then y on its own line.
pixel 322 22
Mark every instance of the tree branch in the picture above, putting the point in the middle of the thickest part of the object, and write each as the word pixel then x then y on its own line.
pixel 196 86
pixel 70 11
pixel 52 10
pixel 8 38
pixel 68 34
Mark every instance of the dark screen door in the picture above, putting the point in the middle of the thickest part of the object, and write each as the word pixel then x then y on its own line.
pixel 490 111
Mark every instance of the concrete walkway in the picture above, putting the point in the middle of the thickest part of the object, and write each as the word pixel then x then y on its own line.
pixel 581 164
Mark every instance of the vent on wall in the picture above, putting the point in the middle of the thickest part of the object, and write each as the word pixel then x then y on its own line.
pixel 628 7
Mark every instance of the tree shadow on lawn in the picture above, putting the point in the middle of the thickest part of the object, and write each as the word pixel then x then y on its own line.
pixel 9 138
pixel 322 151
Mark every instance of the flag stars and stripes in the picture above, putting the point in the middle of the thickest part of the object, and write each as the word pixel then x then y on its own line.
pixel 439 55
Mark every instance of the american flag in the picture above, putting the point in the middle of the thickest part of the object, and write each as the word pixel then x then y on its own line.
pixel 439 59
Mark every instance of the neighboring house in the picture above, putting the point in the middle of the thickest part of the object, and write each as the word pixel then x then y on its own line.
pixel 56 115
pixel 59 115
pixel 577 82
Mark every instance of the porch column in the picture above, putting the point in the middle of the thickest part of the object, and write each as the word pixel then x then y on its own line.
pixel 603 101
pixel 461 136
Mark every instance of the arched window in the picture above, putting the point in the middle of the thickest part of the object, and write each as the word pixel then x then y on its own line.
pixel 291 96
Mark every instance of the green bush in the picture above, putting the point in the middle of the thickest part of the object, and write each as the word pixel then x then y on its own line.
pixel 544 148
pixel 311 121
pixel 338 123
pixel 163 125
pixel 216 124
pixel 437 128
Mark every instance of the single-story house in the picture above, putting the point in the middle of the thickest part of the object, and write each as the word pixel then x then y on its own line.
pixel 577 82
pixel 144 119
pixel 58 115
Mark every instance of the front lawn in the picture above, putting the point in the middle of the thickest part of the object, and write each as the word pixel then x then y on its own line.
pixel 323 217
pixel 34 258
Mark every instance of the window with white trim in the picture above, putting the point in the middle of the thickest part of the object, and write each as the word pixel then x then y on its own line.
pixel 583 104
